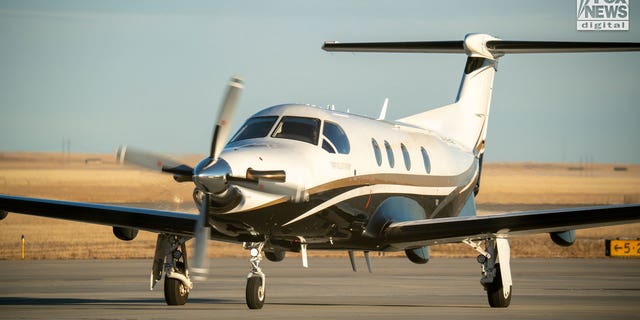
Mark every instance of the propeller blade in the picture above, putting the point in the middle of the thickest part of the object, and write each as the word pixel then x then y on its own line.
pixel 200 268
pixel 225 116
pixel 153 161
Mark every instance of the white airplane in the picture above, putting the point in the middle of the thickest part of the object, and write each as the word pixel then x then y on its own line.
pixel 297 177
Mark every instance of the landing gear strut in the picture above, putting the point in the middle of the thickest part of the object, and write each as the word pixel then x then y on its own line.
pixel 496 270
pixel 171 259
pixel 256 285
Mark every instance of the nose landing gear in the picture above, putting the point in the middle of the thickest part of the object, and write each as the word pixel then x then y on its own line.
pixel 256 284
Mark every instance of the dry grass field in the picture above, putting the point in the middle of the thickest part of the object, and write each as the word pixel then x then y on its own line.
pixel 97 178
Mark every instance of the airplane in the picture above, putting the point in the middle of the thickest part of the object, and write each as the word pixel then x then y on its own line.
pixel 297 177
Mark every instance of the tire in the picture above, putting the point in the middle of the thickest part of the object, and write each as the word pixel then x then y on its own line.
pixel 255 293
pixel 175 293
pixel 495 292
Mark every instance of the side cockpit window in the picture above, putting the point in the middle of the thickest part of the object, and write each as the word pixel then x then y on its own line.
pixel 334 140
pixel 257 127
pixel 298 128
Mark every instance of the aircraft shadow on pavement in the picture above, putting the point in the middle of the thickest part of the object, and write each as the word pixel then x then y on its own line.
pixel 479 306
pixel 27 301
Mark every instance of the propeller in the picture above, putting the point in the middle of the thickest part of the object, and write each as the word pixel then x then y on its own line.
pixel 223 125
pixel 181 172
pixel 211 175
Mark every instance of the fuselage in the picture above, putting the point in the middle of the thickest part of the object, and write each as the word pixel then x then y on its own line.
pixel 345 167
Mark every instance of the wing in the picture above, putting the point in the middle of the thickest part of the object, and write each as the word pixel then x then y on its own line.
pixel 139 218
pixel 435 231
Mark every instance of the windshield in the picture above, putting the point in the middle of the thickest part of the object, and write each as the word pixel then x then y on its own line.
pixel 257 127
pixel 298 128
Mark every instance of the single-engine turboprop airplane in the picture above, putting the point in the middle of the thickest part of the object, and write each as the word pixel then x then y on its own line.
pixel 297 177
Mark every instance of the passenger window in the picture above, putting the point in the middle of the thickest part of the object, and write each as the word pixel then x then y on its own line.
pixel 376 151
pixel 425 158
pixel 298 128
pixel 336 138
pixel 392 160
pixel 257 127
pixel 405 155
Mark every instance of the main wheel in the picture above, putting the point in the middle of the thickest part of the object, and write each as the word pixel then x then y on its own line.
pixel 175 293
pixel 495 292
pixel 255 293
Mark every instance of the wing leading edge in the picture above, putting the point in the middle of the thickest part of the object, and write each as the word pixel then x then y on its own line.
pixel 139 218
pixel 434 231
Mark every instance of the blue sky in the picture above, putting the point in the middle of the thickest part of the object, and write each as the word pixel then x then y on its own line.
pixel 152 73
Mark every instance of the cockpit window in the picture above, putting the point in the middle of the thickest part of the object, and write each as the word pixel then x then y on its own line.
pixel 257 127
pixel 298 128
pixel 334 139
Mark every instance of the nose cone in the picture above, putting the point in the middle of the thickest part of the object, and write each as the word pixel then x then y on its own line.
pixel 212 176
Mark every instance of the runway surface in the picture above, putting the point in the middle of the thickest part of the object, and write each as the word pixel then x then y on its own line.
pixel 442 289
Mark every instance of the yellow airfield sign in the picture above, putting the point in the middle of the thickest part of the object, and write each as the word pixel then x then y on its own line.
pixel 622 248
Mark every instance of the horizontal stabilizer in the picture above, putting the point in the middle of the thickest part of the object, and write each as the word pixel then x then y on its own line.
pixel 495 46
pixel 502 46
pixel 418 46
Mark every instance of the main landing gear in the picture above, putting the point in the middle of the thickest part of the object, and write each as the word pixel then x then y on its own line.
pixel 496 270
pixel 256 285
pixel 171 259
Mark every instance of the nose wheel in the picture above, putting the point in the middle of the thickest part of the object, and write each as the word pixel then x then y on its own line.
pixel 256 284
pixel 255 292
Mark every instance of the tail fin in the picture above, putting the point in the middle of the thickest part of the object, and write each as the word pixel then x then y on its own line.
pixel 465 121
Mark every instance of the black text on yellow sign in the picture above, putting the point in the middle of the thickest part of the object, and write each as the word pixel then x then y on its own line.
pixel 622 248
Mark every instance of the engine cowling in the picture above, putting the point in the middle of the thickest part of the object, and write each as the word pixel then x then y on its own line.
pixel 124 233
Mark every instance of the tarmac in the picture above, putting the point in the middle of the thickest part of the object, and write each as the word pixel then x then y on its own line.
pixel 441 289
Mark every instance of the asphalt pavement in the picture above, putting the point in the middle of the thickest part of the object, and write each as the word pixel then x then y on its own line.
pixel 441 289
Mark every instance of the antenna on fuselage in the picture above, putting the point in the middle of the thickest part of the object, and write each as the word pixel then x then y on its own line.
pixel 383 112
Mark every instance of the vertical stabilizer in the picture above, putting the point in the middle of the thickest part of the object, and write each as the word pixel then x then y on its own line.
pixel 465 121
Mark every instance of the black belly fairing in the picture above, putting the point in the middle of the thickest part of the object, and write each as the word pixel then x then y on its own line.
pixel 337 227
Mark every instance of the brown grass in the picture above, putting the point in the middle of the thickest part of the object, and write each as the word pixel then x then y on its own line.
pixel 505 187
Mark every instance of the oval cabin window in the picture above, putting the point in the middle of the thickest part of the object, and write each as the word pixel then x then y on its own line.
pixel 405 155
pixel 392 160
pixel 425 158
pixel 376 151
